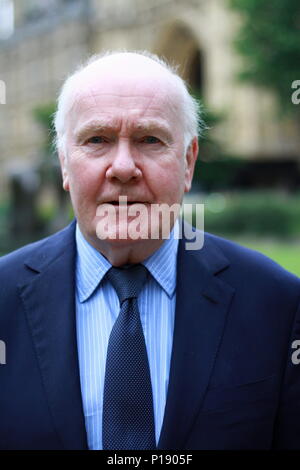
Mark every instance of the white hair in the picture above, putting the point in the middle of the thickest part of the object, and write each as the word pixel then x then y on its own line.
pixel 192 122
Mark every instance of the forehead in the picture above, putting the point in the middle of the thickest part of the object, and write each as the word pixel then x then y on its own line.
pixel 134 98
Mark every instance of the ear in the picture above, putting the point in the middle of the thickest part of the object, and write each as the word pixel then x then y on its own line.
pixel 63 166
pixel 190 160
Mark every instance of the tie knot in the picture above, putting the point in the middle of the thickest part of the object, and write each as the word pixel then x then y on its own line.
pixel 128 282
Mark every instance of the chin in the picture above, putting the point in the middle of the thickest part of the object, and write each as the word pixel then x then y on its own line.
pixel 122 234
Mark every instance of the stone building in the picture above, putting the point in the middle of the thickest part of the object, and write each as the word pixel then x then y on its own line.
pixel 41 41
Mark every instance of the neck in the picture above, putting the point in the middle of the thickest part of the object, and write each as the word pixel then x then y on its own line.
pixel 123 252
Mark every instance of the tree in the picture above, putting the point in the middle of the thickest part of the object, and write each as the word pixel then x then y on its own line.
pixel 44 115
pixel 269 40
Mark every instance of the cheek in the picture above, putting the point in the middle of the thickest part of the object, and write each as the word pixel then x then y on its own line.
pixel 85 180
pixel 167 180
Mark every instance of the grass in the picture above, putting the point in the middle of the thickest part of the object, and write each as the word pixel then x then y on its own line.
pixel 285 253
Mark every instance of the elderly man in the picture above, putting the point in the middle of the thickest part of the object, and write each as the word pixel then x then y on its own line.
pixel 127 339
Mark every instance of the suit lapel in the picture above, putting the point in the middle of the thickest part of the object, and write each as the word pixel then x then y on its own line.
pixel 202 302
pixel 49 301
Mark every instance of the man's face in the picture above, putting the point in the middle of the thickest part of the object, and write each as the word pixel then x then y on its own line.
pixel 124 137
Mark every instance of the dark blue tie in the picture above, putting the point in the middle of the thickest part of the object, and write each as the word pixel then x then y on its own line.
pixel 128 419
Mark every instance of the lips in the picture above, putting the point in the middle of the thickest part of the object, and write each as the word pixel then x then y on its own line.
pixel 127 203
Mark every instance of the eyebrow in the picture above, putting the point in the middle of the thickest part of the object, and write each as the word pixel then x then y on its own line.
pixel 143 125
pixel 152 124
pixel 92 126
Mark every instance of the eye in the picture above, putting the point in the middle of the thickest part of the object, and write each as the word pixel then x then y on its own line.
pixel 96 139
pixel 150 139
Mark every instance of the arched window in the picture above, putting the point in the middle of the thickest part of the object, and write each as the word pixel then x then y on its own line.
pixel 179 45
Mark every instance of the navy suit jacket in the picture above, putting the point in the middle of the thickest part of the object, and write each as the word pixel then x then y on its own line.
pixel 233 384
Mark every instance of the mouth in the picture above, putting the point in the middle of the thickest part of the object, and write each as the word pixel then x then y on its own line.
pixel 125 203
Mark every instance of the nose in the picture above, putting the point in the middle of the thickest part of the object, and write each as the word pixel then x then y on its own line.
pixel 123 167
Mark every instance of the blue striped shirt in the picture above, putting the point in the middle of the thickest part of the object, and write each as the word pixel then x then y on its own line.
pixel 97 307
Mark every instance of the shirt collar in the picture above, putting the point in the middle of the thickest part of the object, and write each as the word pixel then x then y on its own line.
pixel 91 266
pixel 163 262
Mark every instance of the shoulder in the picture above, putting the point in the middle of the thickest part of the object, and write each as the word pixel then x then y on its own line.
pixel 251 268
pixel 245 257
pixel 38 253
pixel 244 269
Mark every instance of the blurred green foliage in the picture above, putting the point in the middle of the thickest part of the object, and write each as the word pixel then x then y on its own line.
pixel 218 174
pixel 259 213
pixel 268 40
pixel 213 167
pixel 44 115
